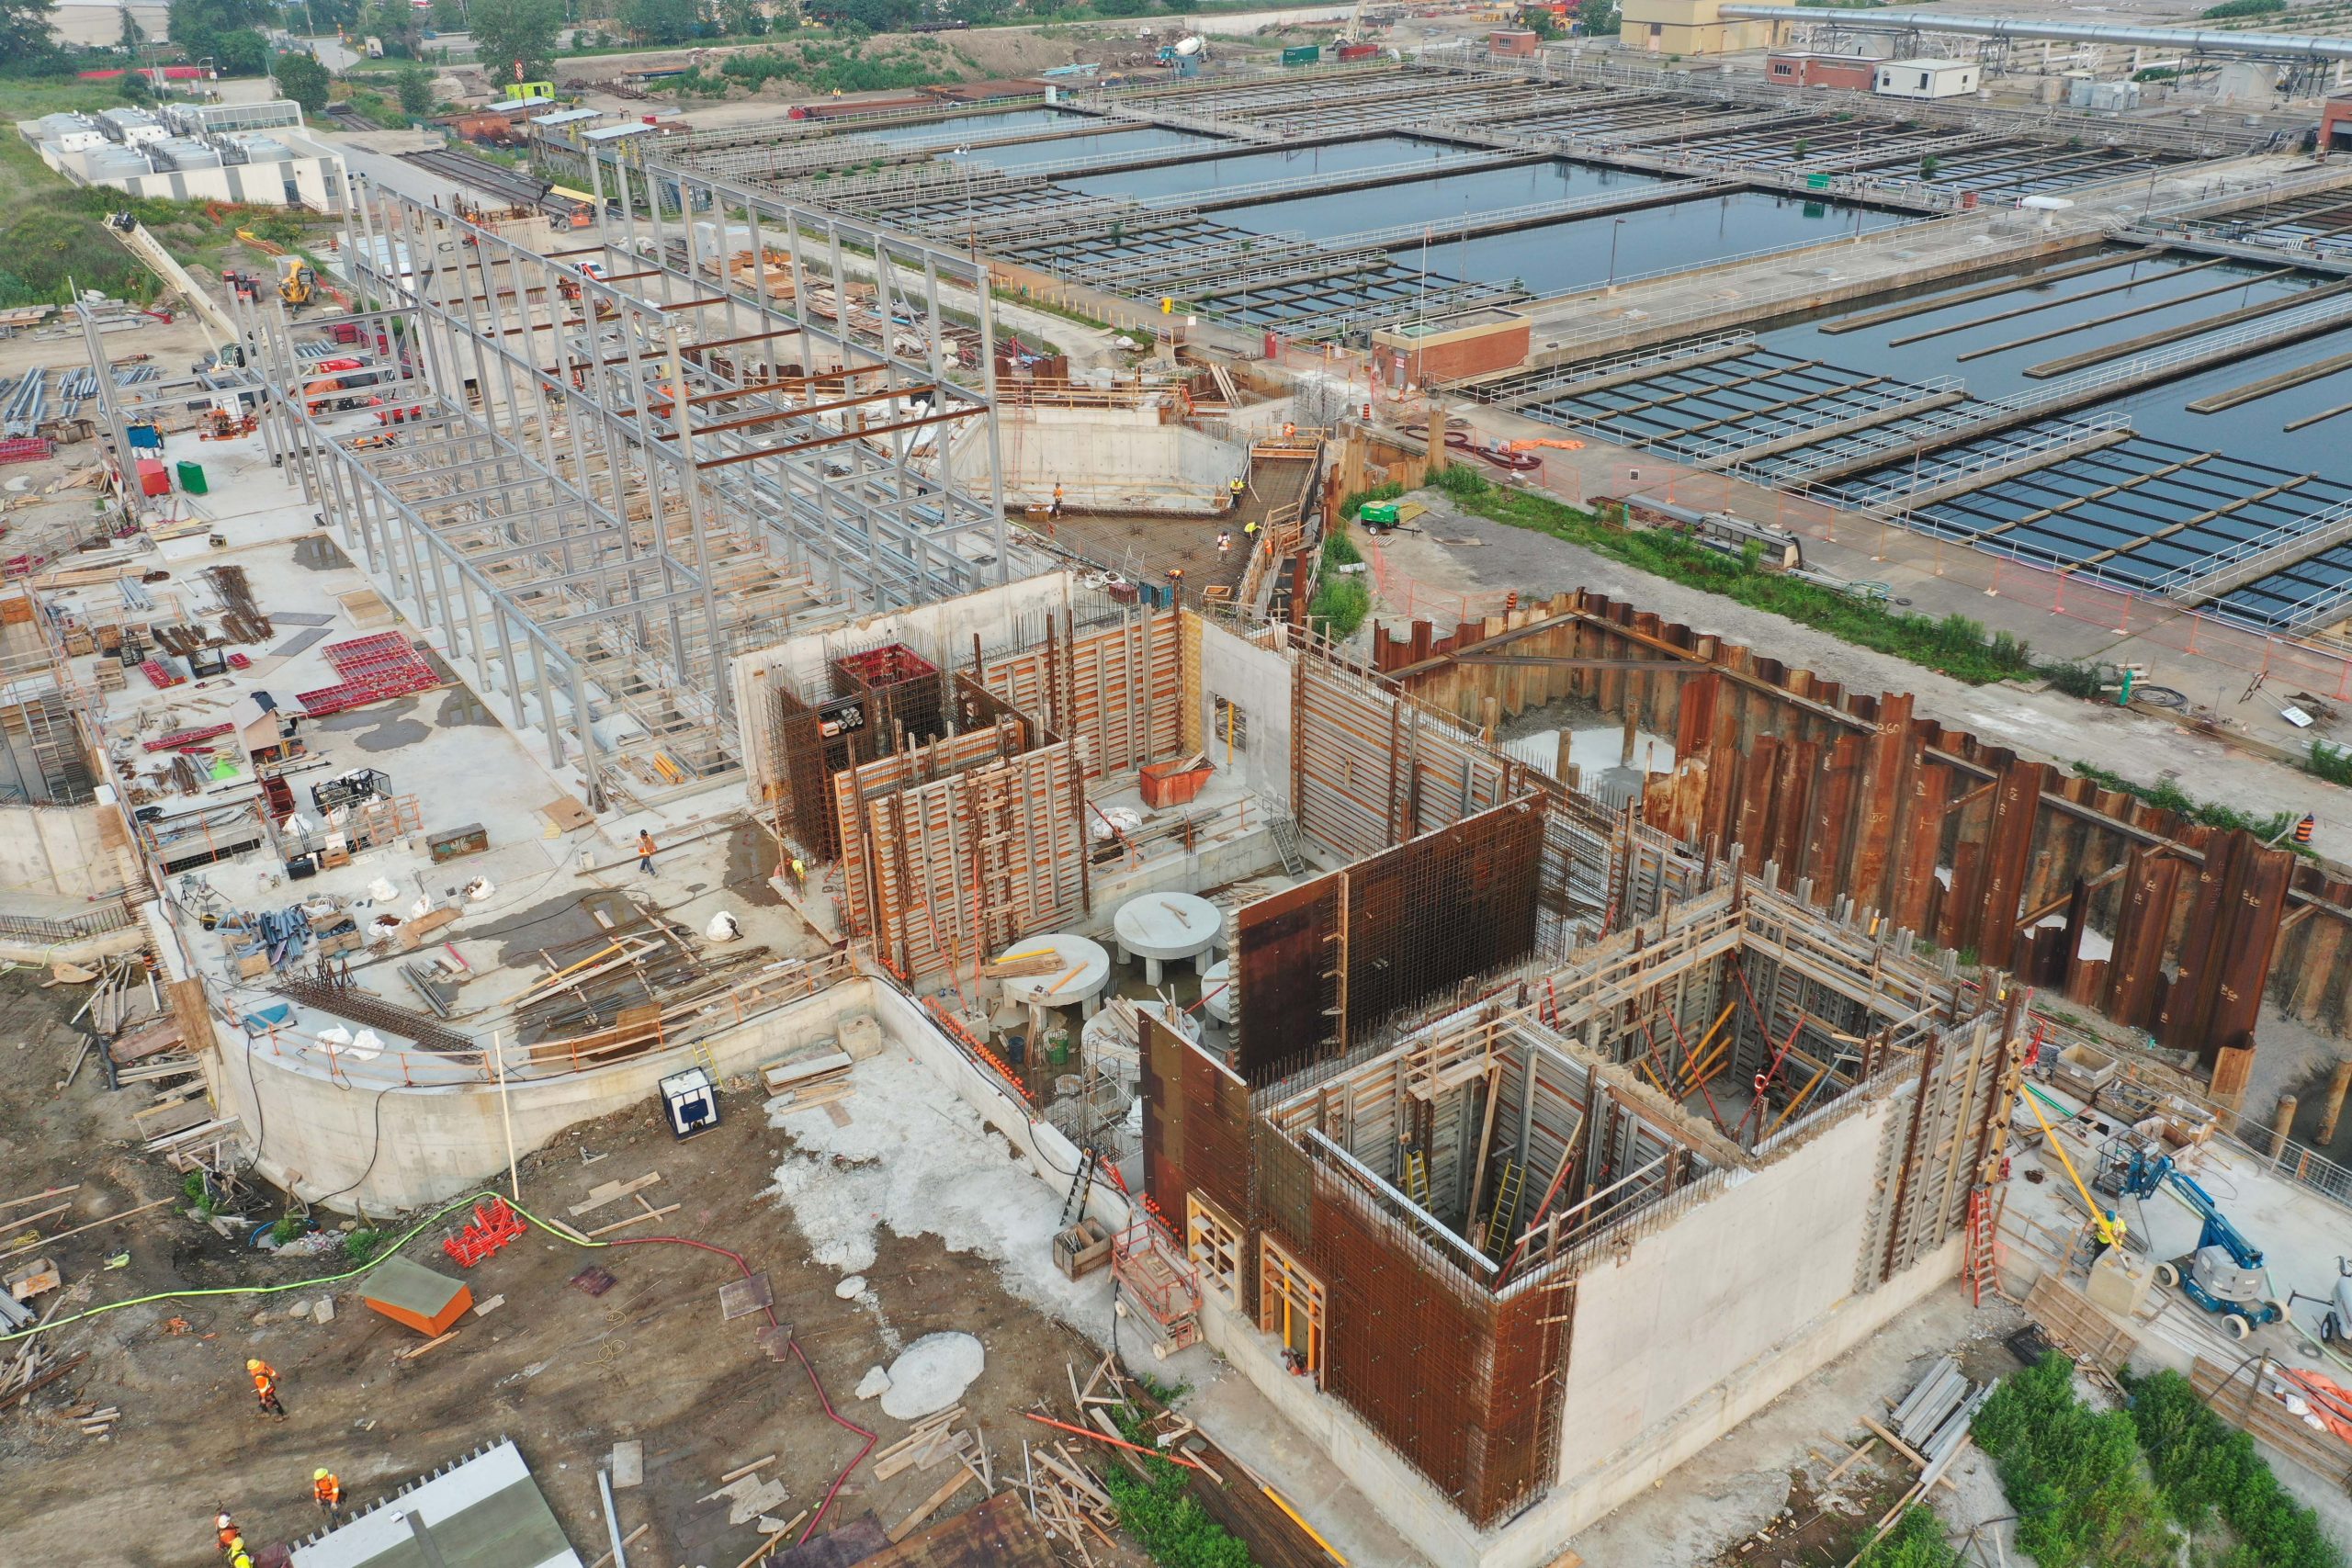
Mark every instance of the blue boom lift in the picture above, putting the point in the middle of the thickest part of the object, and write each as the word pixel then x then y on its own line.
pixel 2224 1274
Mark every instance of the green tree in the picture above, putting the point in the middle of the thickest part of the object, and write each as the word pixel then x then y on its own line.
pixel 1540 22
pixel 1122 7
pixel 395 24
pixel 134 37
pixel 660 21
pixel 414 83
pixel 196 27
pixel 742 19
pixel 1597 18
pixel 450 15
pixel 301 78
pixel 518 33
pixel 240 52
pixel 27 46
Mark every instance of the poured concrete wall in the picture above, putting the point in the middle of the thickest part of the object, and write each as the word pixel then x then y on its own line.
pixel 427 1146
pixel 56 850
pixel 1679 1323
pixel 1114 459
pixel 1257 680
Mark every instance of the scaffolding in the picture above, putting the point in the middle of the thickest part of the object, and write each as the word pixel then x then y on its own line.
pixel 595 476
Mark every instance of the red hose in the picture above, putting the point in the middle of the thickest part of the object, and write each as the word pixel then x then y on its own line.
pixel 798 1354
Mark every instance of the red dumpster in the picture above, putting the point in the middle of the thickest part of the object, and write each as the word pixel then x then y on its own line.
pixel 154 478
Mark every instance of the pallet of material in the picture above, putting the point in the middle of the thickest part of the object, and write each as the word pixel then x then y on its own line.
pixel 2246 1396
pixel 801 1071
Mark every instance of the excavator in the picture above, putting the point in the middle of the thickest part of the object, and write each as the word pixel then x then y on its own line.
pixel 295 282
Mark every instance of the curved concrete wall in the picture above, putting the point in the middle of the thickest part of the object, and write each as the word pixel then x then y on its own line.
pixel 388 1150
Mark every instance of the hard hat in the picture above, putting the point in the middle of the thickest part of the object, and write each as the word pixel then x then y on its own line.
pixel 252 1366
pixel 320 1473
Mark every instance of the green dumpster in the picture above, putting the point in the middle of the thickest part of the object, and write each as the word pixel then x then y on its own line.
pixel 1816 182
pixel 1303 54
pixel 192 477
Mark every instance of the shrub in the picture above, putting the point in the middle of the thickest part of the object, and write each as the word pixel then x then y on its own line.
pixel 1342 602
pixel 287 1227
pixel 2076 678
pixel 2333 763
pixel 2206 1469
pixel 1461 482
pixel 2229 8
pixel 2071 1473
pixel 1158 1509
pixel 1340 550
pixel 362 1245
pixel 1915 1541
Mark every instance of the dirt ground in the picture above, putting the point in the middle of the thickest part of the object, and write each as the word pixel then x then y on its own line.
pixel 562 1373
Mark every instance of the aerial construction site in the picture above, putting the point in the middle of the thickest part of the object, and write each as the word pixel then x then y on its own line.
pixel 1382 792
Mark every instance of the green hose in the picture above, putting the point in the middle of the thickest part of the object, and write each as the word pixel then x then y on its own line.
pixel 55 1324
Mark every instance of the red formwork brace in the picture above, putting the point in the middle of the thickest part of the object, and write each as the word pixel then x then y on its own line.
pixel 178 739
pixel 156 671
pixel 493 1225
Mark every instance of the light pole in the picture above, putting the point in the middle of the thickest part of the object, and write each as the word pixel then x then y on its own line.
pixel 1614 225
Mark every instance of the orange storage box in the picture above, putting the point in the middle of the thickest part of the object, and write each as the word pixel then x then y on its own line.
pixel 417 1297
pixel 1173 784
pixel 154 478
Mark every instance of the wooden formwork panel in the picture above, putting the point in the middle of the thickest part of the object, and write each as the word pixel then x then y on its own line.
pixel 1121 689
pixel 856 787
pixel 1372 770
pixel 963 866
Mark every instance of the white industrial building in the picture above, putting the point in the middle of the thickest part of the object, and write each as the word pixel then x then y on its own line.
pixel 256 154
pixel 1926 79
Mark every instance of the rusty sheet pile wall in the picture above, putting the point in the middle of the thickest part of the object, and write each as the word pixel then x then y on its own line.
pixel 1853 796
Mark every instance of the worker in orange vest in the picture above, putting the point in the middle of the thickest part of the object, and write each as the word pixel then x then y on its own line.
pixel 226 1528
pixel 645 849
pixel 327 1491
pixel 265 1386
pixel 1056 510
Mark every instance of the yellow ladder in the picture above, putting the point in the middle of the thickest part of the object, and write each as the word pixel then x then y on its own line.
pixel 1505 1210
pixel 1417 1177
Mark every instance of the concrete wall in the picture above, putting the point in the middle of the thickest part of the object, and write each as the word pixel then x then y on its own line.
pixel 1676 1340
pixel 56 850
pixel 1258 681
pixel 1114 459
pixel 316 1135
pixel 1723 1285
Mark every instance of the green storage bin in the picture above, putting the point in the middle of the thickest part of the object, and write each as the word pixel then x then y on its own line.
pixel 1816 182
pixel 192 477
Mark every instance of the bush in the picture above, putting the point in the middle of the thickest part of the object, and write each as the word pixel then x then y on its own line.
pixel 287 1227
pixel 362 1245
pixel 1160 1512
pixel 1340 550
pixel 2206 1469
pixel 2166 795
pixel 2071 1473
pixel 1460 483
pixel 1358 500
pixel 1915 1541
pixel 2333 763
pixel 1342 602
pixel 2076 678
pixel 2229 8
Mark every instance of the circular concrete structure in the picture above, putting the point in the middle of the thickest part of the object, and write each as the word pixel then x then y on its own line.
pixel 1085 970
pixel 1216 990
pixel 1161 927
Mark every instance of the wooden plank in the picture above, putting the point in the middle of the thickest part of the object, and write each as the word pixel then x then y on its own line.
pixel 634 1219
pixel 930 1505
pixel 613 1191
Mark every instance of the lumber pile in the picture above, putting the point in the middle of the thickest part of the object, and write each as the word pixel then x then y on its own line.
pixel 933 1442
pixel 814 1079
pixel 1064 1499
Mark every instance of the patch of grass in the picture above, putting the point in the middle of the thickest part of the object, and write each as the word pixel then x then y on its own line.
pixel 1340 550
pixel 362 1245
pixel 2165 795
pixel 2207 1470
pixel 1915 1541
pixel 2229 8
pixel 198 1192
pixel 287 1227
pixel 2333 763
pixel 1954 645
pixel 2071 1473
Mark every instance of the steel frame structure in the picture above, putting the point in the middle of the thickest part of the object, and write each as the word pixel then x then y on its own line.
pixel 610 480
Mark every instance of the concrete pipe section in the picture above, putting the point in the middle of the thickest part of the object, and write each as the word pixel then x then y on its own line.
pixel 1161 927
pixel 1217 995
pixel 1086 968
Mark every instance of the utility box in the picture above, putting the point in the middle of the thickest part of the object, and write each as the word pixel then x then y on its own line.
pixel 1926 79
pixel 469 839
